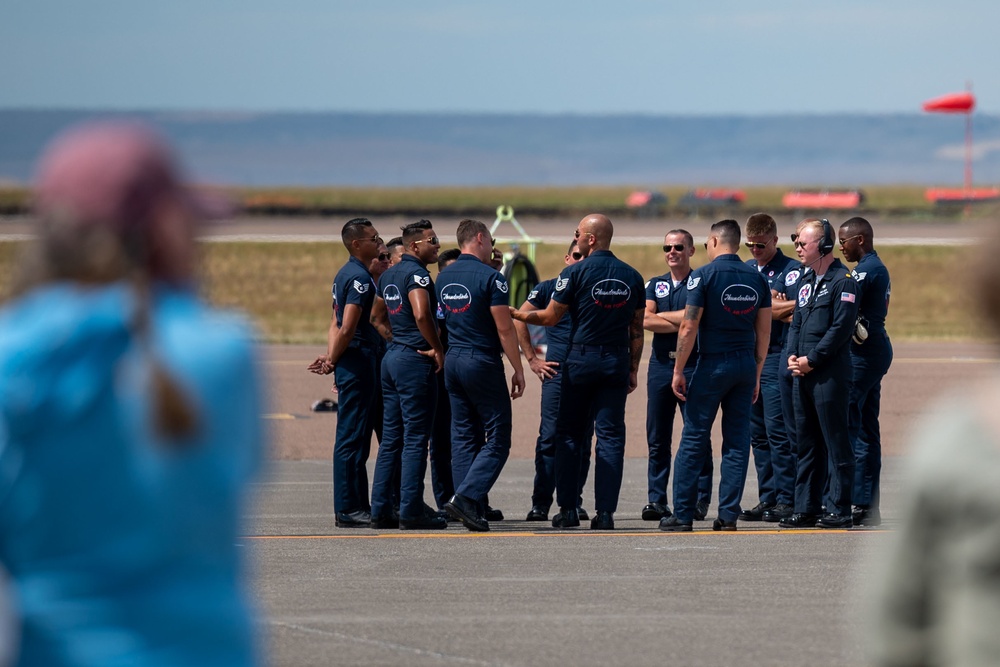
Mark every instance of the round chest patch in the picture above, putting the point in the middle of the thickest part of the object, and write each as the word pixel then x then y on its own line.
pixel 456 298
pixel 739 299
pixel 804 293
pixel 393 299
pixel 662 289
pixel 610 294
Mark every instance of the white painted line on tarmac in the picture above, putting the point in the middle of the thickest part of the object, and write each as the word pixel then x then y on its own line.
pixel 380 643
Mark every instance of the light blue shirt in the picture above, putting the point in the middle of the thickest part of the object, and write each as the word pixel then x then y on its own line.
pixel 122 549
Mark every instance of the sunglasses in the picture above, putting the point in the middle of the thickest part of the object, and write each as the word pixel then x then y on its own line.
pixel 801 244
pixel 850 238
pixel 679 247
pixel 384 257
pixel 432 240
pixel 757 246
pixel 576 234
pixel 576 255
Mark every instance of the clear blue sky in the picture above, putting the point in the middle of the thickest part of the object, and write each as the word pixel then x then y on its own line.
pixel 668 57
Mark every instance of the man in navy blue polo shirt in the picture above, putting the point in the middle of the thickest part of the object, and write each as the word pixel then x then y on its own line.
pixel 474 299
pixel 818 349
pixel 666 297
pixel 440 444
pixel 352 344
pixel 549 371
pixel 772 452
pixel 604 296
pixel 409 386
pixel 871 356
pixel 729 311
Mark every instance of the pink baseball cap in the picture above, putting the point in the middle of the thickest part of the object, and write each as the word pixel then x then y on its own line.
pixel 113 173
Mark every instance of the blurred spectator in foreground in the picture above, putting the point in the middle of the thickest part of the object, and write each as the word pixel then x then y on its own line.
pixel 8 624
pixel 129 421
pixel 938 596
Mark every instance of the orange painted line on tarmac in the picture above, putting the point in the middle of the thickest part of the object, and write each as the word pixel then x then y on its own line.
pixel 578 534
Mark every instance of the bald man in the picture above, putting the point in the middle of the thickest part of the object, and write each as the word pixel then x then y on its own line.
pixel 606 300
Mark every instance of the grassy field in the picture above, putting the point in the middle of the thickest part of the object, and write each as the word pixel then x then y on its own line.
pixel 285 287
pixel 897 199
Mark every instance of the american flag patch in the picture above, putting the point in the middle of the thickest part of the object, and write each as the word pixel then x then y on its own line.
pixel 847 296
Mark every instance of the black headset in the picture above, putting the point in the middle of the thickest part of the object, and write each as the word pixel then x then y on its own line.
pixel 828 241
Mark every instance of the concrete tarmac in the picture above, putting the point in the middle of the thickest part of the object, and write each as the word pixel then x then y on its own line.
pixel 526 594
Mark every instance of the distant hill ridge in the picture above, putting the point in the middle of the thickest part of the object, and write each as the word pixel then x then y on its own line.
pixel 399 150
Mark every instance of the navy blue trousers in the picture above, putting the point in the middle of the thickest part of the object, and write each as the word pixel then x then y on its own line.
pixel 356 399
pixel 725 380
pixel 661 405
pixel 409 391
pixel 545 447
pixel 863 426
pixel 440 446
pixel 772 452
pixel 786 386
pixel 477 387
pixel 824 455
pixel 594 389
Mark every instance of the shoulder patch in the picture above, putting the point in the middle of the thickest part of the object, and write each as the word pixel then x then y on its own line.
pixel 858 276
pixel 423 281
pixel 533 294
pixel 693 282
pixel 501 285
pixel 561 284
pixel 360 287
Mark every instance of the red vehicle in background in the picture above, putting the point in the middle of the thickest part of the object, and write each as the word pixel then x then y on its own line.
pixel 823 199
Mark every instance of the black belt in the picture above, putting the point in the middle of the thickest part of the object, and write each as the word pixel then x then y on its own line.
pixel 603 349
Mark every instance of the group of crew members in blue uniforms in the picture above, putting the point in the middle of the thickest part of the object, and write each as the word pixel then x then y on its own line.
pixel 791 352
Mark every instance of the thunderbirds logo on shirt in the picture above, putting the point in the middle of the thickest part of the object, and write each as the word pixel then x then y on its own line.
pixel 662 289
pixel 610 294
pixel 693 282
pixel 804 293
pixel 455 298
pixel 360 287
pixel 502 285
pixel 423 281
pixel 792 277
pixel 561 284
pixel 739 299
pixel 393 299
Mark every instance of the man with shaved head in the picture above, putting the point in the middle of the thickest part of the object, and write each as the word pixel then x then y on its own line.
pixel 871 355
pixel 606 300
